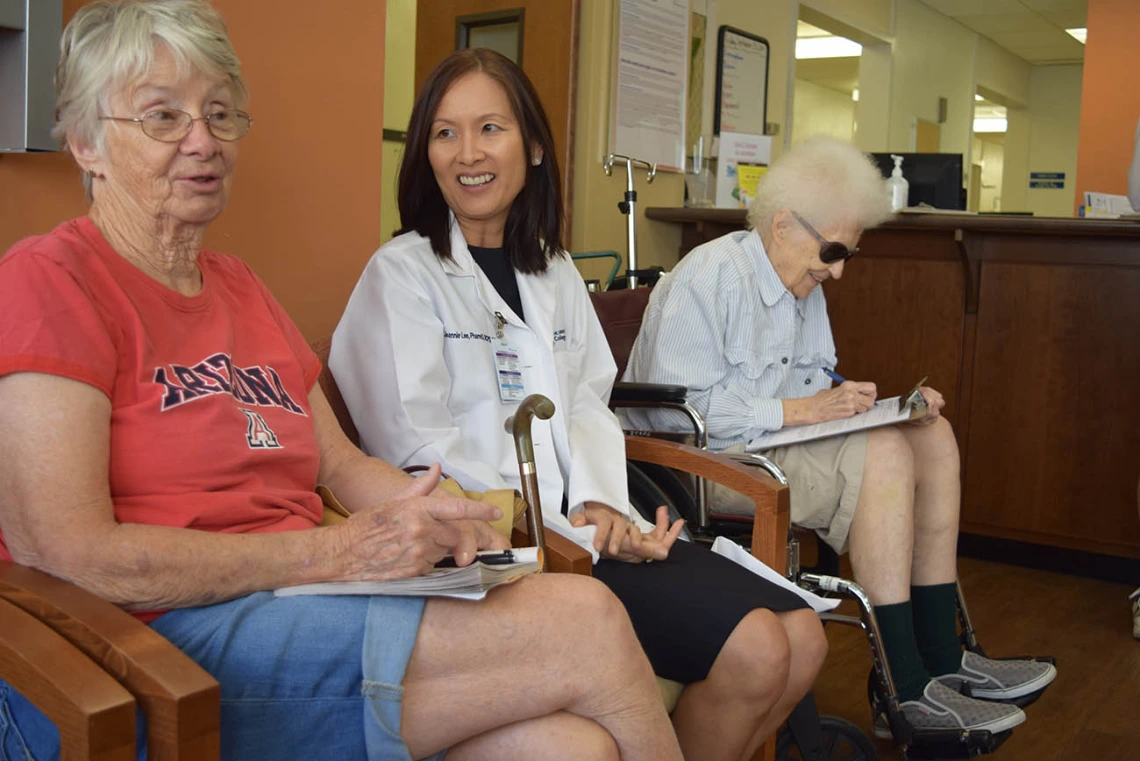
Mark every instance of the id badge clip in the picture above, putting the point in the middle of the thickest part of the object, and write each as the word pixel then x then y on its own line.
pixel 508 368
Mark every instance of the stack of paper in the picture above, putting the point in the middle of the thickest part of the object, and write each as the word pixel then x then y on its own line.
pixel 468 583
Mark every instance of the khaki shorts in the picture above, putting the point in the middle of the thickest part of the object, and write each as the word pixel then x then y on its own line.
pixel 824 476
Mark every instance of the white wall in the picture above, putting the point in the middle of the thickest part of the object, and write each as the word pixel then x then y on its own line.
pixel 822 111
pixel 990 153
pixel 933 57
pixel 1002 76
pixel 1054 126
pixel 399 95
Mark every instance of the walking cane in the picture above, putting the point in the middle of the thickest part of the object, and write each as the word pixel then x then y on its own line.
pixel 535 405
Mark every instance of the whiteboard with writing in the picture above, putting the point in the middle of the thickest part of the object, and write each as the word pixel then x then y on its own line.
pixel 651 79
pixel 741 82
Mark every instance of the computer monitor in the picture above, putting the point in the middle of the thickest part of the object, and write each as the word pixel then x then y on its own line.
pixel 934 178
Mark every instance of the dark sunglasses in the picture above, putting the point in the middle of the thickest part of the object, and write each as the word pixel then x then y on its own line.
pixel 830 251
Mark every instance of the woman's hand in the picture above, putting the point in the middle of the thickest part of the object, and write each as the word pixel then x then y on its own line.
pixel 618 539
pixel 847 399
pixel 934 405
pixel 408 534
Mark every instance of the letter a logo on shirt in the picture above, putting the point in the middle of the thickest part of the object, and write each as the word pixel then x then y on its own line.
pixel 258 434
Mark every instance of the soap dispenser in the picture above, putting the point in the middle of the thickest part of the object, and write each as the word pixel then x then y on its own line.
pixel 897 185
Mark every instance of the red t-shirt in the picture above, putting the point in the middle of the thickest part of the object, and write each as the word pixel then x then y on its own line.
pixel 211 427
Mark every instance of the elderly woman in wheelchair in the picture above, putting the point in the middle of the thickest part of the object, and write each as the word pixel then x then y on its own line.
pixel 742 323
pixel 473 305
pixel 161 438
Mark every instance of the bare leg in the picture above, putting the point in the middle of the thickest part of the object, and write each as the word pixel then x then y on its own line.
pixel 882 531
pixel 809 648
pixel 544 645
pixel 938 496
pixel 544 738
pixel 765 667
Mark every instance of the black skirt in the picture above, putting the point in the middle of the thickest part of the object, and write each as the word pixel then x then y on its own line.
pixel 684 608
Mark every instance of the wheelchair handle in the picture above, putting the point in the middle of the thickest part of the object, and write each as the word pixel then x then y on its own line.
pixel 535 405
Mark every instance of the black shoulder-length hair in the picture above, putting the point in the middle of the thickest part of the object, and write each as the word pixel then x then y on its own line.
pixel 533 232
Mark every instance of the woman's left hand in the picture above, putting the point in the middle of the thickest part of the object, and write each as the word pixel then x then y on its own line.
pixel 934 405
pixel 618 539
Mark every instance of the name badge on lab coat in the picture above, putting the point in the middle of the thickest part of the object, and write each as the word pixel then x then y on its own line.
pixel 509 371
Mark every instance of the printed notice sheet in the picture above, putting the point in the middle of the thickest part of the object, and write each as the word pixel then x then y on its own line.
pixel 885 412
pixel 652 69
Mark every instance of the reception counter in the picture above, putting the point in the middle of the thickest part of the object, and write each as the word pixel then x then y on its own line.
pixel 1031 329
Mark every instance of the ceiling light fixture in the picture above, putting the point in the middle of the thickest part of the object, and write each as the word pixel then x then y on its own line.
pixel 990 125
pixel 827 47
pixel 1079 34
pixel 978 98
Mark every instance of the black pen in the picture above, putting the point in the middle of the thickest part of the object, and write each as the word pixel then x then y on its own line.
pixel 503 557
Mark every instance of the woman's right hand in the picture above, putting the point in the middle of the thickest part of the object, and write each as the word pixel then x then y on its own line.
pixel 408 534
pixel 842 401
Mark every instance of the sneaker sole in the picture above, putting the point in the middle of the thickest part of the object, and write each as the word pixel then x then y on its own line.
pixel 996 726
pixel 1020 690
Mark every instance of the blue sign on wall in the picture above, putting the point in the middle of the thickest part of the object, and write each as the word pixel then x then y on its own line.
pixel 1047 180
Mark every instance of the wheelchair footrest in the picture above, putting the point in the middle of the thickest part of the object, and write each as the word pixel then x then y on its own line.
pixel 952 743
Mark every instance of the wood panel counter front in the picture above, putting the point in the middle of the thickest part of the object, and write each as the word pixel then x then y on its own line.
pixel 1031 329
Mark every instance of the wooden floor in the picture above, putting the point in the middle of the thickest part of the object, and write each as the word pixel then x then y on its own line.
pixel 1092 710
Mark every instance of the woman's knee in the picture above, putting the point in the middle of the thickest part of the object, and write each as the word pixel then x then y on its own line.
pixel 806 638
pixel 756 657
pixel 939 447
pixel 889 452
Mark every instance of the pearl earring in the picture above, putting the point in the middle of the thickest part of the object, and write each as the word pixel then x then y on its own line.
pixel 537 160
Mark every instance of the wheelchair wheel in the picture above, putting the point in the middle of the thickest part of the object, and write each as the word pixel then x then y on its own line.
pixel 841 741
pixel 646 495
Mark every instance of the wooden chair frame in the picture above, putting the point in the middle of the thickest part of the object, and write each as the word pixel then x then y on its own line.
pixel 71 653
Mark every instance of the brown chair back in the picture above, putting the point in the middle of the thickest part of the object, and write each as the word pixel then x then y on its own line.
pixel 332 393
pixel 620 313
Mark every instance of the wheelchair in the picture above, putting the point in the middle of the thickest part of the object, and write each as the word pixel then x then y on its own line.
pixel 806 733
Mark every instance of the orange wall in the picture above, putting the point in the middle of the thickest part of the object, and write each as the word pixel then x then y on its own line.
pixel 1110 101
pixel 305 209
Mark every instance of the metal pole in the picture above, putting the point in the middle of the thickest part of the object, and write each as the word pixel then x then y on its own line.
pixel 629 207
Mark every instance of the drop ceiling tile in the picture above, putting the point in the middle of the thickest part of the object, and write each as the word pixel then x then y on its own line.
pixel 1067 19
pixel 996 23
pixel 1056 5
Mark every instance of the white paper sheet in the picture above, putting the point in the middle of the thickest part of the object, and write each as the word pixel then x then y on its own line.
pixel 740 556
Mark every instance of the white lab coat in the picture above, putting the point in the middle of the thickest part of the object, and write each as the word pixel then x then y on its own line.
pixel 412 358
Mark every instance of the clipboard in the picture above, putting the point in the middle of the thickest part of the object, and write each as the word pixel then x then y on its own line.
pixel 897 409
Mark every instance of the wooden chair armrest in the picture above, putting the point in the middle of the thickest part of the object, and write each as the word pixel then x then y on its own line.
pixel 94 714
pixel 562 555
pixel 770 524
pixel 181 701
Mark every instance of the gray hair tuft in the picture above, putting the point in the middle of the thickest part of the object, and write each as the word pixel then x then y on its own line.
pixel 110 43
pixel 828 181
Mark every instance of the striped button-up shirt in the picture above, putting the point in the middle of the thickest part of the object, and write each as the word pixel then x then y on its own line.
pixel 723 325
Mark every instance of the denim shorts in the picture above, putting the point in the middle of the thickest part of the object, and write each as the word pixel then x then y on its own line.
pixel 304 676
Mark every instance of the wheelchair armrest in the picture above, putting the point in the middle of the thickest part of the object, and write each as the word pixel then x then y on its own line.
pixel 94 714
pixel 643 393
pixel 770 523
pixel 181 701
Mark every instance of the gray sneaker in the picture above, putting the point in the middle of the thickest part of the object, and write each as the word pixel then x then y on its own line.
pixel 999 680
pixel 942 708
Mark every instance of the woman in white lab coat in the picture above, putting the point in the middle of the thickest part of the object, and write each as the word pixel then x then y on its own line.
pixel 475 305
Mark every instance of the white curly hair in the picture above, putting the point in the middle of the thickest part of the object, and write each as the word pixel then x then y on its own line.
pixel 827 181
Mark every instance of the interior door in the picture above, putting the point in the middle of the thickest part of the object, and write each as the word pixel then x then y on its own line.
pixel 540 35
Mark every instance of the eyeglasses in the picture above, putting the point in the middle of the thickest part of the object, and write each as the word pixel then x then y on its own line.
pixel 169 125
pixel 830 251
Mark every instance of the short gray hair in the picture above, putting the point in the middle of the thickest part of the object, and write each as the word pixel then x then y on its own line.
pixel 112 42
pixel 829 182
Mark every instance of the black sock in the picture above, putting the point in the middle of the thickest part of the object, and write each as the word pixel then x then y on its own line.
pixel 936 627
pixel 896 622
